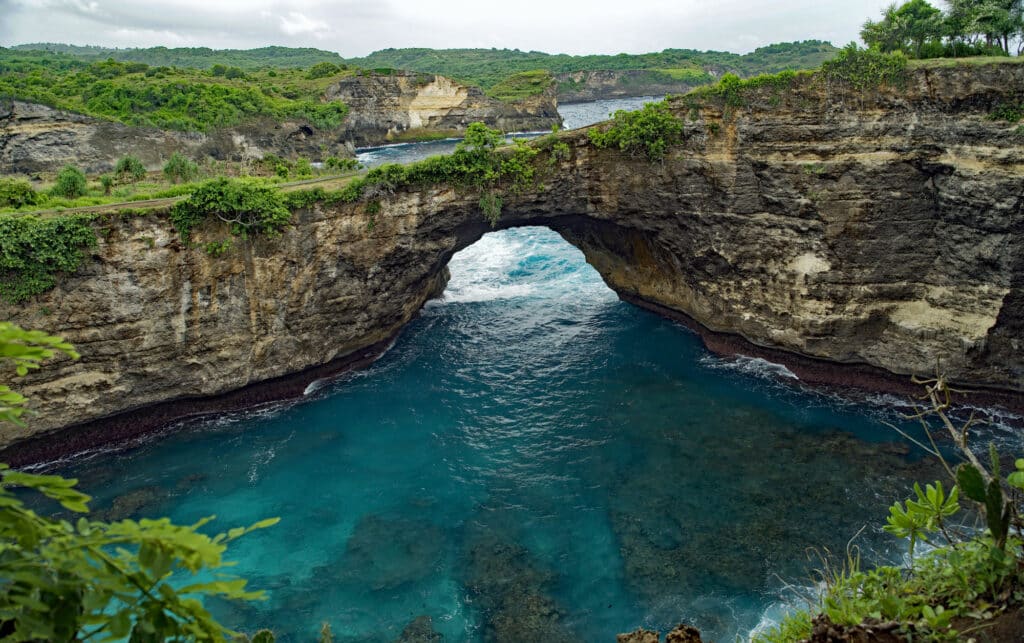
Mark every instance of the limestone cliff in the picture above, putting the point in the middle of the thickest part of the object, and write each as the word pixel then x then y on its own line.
pixel 37 138
pixel 384 106
pixel 584 86
pixel 882 229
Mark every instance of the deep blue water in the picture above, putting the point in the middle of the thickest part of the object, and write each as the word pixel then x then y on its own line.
pixel 532 457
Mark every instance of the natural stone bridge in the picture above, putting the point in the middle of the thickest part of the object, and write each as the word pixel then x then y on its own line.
pixel 882 231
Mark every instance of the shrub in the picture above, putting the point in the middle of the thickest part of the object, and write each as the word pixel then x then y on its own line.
pixel 130 169
pixel 107 182
pixel 70 183
pixel 15 194
pixel 865 68
pixel 341 165
pixel 180 169
pixel 34 250
pixel 246 206
pixel 303 168
pixel 322 70
pixel 649 131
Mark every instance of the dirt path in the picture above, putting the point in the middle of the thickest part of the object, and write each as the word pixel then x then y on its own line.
pixel 327 183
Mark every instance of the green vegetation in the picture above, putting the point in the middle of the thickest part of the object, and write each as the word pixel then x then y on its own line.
pixel 34 250
pixel 489 67
pixel 1009 112
pixel 323 70
pixel 341 165
pixel 70 183
pixel 129 169
pixel 247 206
pixel 196 57
pixel 965 580
pixel 16 194
pixel 64 580
pixel 171 98
pixel 732 91
pixel 479 162
pixel 522 85
pixel 648 131
pixel 179 169
pixel 967 28
pixel 863 69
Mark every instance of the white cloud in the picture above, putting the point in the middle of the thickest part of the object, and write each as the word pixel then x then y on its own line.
pixel 357 27
pixel 296 23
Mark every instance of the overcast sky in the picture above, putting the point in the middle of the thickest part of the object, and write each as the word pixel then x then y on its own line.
pixel 355 28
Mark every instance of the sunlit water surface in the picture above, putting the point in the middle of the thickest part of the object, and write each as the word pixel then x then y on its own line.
pixel 532 460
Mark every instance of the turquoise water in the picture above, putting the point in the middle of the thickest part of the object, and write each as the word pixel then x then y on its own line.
pixel 532 460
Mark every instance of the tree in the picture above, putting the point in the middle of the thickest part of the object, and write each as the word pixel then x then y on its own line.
pixel 997 22
pixel 178 168
pixel 72 581
pixel 921 23
pixel 130 168
pixel 886 35
pixel 907 27
pixel 15 193
pixel 70 183
pixel 481 138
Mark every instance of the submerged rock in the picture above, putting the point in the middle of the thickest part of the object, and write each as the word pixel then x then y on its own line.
pixel 511 590
pixel 134 504
pixel 384 553
pixel 681 634
pixel 420 630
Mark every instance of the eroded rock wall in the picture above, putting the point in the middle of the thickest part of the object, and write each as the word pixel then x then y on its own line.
pixel 386 106
pixel 883 229
pixel 584 86
pixel 36 138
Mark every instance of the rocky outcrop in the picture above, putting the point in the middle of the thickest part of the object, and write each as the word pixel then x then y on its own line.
pixel 584 86
pixel 36 138
pixel 882 229
pixel 399 104
pixel 382 107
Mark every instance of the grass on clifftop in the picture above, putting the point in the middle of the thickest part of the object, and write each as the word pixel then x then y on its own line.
pixel 522 85
pixel 488 67
pixel 167 97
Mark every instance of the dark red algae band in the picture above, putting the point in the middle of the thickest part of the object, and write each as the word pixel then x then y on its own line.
pixel 821 373
pixel 127 428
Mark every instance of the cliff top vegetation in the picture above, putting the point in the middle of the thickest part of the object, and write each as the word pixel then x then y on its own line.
pixel 184 99
pixel 488 67
pixel 195 57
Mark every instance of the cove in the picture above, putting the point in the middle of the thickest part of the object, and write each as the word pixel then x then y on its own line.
pixel 532 460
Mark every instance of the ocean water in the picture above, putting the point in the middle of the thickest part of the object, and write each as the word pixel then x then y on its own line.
pixel 532 460
pixel 574 115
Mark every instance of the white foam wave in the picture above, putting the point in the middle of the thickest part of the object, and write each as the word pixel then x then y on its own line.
pixel 480 272
pixel 756 366
pixel 484 292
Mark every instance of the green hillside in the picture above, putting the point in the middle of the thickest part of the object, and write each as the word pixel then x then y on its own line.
pixel 185 99
pixel 488 67
pixel 197 57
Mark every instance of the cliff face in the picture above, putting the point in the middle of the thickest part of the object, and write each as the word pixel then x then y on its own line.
pixel 583 86
pixel 883 229
pixel 37 138
pixel 385 106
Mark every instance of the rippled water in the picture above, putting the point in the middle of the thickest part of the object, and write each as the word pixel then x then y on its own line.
pixel 574 115
pixel 532 460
